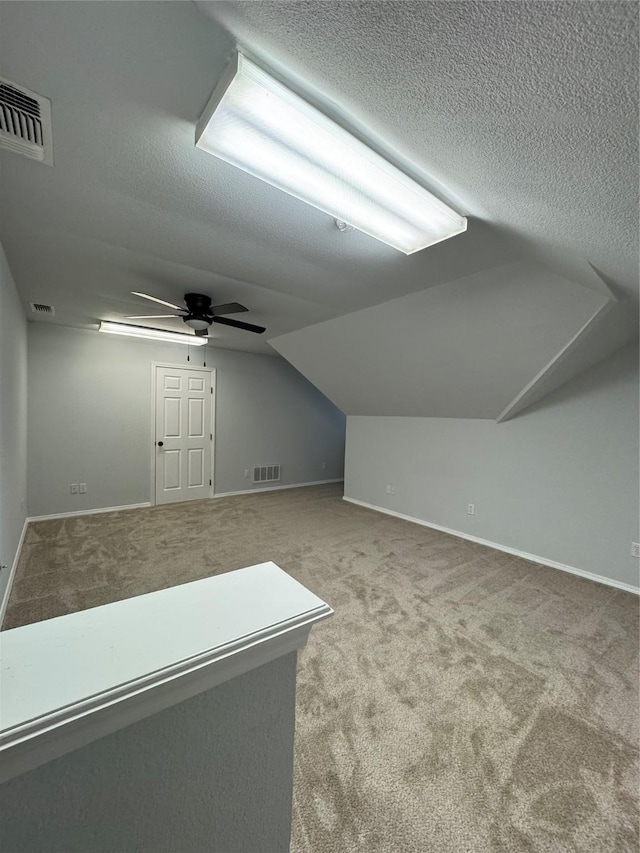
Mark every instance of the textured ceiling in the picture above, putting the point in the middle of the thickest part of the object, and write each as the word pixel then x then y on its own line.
pixel 522 115
pixel 525 111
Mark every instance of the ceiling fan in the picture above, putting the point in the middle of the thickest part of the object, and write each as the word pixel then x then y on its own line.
pixel 199 313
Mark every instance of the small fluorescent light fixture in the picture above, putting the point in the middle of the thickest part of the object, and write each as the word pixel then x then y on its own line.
pixel 151 334
pixel 255 123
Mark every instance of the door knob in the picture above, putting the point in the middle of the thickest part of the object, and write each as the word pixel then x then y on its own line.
pixel 161 444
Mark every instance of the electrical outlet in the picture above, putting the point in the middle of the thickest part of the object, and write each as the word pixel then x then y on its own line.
pixel 82 488
pixel 73 488
pixel 394 490
pixel 246 472
pixel 635 549
pixel 471 509
pixel 324 466
pixel 388 489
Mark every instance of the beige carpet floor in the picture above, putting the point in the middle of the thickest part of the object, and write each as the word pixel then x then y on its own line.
pixel 460 699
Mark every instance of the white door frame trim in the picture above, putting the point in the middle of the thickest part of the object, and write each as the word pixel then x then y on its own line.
pixel 152 423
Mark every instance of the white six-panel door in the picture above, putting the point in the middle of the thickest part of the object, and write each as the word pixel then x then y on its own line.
pixel 183 434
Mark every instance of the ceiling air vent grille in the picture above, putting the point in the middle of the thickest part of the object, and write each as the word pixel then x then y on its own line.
pixel 41 308
pixel 25 122
pixel 266 474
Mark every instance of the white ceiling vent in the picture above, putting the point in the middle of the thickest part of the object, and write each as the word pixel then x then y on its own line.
pixel 25 122
pixel 266 473
pixel 41 308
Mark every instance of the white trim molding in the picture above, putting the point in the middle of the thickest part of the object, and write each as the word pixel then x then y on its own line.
pixel 533 558
pixel 79 677
pixel 12 572
pixel 98 511
pixel 277 488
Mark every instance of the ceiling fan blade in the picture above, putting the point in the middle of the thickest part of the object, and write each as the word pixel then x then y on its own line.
pixel 155 299
pixel 228 308
pixel 238 324
pixel 150 316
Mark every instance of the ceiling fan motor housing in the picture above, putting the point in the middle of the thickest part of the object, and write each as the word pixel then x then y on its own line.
pixel 199 307
pixel 198 303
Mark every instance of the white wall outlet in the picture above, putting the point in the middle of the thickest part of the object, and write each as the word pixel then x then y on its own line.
pixel 324 466
pixel 73 488
pixel 394 490
pixel 635 549
pixel 471 509
pixel 246 472
pixel 388 488
pixel 82 488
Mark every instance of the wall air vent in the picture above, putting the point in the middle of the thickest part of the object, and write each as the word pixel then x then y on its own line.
pixel 41 308
pixel 266 474
pixel 25 122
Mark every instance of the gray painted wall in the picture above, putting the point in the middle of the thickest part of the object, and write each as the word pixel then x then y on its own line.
pixel 13 419
pixel 559 481
pixel 90 410
pixel 214 773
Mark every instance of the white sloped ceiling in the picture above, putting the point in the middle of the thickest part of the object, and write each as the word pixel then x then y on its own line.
pixel 464 349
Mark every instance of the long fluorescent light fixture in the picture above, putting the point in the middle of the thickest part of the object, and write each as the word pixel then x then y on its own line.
pixel 255 123
pixel 151 334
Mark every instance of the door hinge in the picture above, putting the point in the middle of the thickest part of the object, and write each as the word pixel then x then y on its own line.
pixel 209 482
pixel 210 436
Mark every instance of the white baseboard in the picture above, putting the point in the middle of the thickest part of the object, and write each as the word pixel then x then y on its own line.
pixel 104 509
pixel 97 511
pixel 533 558
pixel 276 488
pixel 12 573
